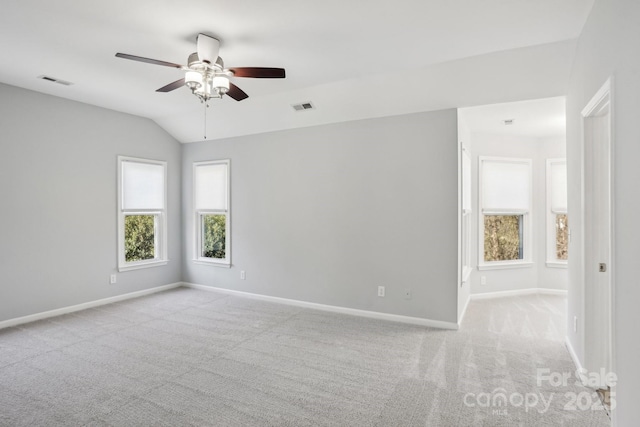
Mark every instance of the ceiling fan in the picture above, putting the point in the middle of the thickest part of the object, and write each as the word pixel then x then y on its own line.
pixel 205 74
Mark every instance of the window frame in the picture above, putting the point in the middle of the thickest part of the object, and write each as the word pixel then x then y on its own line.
pixel 160 221
pixel 551 260
pixel 198 218
pixel 527 221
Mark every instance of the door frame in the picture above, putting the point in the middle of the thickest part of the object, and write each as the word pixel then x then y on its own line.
pixel 602 100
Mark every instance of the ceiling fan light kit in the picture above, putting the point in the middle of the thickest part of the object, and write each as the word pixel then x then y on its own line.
pixel 205 74
pixel 205 79
pixel 193 80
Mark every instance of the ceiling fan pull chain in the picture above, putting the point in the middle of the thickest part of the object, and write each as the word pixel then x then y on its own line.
pixel 205 120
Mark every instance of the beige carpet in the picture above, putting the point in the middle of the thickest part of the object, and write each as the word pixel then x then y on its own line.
pixel 188 357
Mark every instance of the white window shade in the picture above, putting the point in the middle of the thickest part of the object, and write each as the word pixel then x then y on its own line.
pixel 466 182
pixel 211 187
pixel 506 185
pixel 558 178
pixel 142 186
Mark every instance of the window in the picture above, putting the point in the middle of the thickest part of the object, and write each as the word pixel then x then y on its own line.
pixel 561 237
pixel 503 237
pixel 505 213
pixel 142 219
pixel 557 219
pixel 212 212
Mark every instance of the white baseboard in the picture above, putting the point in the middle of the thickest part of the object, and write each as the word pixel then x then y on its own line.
pixel 573 354
pixel 545 291
pixel 332 308
pixel 464 311
pixel 64 310
pixel 519 292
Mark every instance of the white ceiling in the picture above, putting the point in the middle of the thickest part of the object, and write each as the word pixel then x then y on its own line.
pixel 540 118
pixel 352 59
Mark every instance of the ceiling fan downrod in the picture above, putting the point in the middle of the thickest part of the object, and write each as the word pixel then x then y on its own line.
pixel 205 120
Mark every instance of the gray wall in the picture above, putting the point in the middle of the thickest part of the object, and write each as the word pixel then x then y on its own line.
pixel 609 46
pixel 58 195
pixel 327 214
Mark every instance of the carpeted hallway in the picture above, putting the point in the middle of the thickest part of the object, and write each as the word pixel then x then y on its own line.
pixel 190 357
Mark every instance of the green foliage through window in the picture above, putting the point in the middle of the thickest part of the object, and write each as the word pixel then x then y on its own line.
pixel 502 237
pixel 562 237
pixel 214 234
pixel 139 237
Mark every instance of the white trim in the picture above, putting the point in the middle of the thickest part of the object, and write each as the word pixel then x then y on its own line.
pixel 550 218
pixel 505 211
pixel 557 264
pixel 603 99
pixel 572 353
pixel 502 265
pixel 466 273
pixel 527 220
pixel 203 261
pixel 464 311
pixel 460 218
pixel 331 308
pixel 549 184
pixel 197 258
pixel 297 303
pixel 547 291
pixel 162 232
pixel 597 102
pixel 519 292
pixel 73 308
pixel 143 264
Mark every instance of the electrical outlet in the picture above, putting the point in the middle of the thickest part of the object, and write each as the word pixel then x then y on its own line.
pixel 112 279
pixel 407 293
pixel 242 275
pixel 483 280
pixel 380 291
pixel 575 323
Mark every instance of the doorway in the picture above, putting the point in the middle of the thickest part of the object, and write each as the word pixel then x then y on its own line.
pixel 598 233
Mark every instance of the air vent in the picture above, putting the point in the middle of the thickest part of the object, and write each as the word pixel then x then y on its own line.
pixel 508 122
pixel 54 80
pixel 303 106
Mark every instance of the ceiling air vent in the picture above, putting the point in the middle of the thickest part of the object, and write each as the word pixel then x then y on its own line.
pixel 303 106
pixel 508 122
pixel 54 80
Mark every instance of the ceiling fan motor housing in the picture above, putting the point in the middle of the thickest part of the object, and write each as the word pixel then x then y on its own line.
pixel 208 48
pixel 194 62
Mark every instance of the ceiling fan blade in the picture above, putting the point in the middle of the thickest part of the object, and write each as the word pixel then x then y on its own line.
pixel 258 72
pixel 236 93
pixel 147 60
pixel 208 48
pixel 172 86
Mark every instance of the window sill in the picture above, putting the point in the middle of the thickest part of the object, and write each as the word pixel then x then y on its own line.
pixel 505 265
pixel 143 265
pixel 212 263
pixel 557 264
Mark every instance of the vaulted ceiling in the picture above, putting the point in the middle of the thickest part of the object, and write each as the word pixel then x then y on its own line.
pixel 351 59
